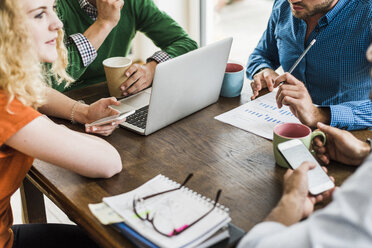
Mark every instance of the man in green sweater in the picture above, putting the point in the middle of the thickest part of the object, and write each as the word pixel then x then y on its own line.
pixel 100 29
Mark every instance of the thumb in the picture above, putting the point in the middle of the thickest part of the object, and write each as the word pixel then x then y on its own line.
pixel 327 129
pixel 112 101
pixel 306 166
pixel 114 111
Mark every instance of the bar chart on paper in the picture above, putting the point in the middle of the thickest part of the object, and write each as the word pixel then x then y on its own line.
pixel 259 116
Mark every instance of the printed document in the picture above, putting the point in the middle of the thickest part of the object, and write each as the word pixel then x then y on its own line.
pixel 259 116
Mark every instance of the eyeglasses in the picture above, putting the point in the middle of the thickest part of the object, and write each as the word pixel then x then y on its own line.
pixel 178 230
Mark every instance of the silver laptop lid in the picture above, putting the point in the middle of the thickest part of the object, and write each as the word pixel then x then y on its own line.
pixel 186 84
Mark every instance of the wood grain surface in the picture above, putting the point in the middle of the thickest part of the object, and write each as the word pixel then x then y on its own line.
pixel 220 156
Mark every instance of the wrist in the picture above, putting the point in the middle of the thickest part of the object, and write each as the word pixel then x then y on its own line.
pixel 152 64
pixel 98 32
pixel 80 112
pixel 365 149
pixel 104 25
pixel 321 114
pixel 288 211
pixel 159 57
pixel 260 70
pixel 292 200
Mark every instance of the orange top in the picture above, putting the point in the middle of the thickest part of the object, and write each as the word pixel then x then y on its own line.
pixel 14 165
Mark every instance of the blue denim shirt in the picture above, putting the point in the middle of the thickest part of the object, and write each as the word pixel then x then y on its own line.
pixel 335 70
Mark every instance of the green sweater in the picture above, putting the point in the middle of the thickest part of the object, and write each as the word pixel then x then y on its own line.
pixel 136 15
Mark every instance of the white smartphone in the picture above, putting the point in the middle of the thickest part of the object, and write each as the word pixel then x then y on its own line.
pixel 112 118
pixel 295 153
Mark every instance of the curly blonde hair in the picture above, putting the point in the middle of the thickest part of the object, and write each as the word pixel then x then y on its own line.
pixel 21 72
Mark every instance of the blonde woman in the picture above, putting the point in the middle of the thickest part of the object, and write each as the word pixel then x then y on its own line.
pixel 30 33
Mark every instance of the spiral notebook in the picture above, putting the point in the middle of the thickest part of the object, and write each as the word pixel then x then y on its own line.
pixel 176 208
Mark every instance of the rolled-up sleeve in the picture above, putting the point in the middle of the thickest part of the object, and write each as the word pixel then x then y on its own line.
pixel 352 115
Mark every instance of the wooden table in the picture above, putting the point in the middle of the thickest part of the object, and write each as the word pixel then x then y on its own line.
pixel 220 156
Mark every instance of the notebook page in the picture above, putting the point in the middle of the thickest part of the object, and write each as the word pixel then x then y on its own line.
pixel 179 207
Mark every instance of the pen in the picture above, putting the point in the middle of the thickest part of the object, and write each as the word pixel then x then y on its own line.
pixel 300 58
pixel 302 55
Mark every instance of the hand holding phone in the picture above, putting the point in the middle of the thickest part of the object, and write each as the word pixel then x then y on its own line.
pixel 110 119
pixel 295 153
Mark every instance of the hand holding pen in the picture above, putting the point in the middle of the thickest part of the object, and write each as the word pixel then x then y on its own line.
pixel 266 77
pixel 279 82
pixel 294 94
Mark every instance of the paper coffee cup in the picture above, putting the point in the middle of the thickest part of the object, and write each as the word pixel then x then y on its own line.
pixel 115 68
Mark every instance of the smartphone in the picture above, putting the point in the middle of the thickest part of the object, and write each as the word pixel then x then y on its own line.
pixel 295 153
pixel 112 118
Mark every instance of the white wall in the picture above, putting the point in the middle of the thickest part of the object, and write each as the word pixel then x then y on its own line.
pixel 185 12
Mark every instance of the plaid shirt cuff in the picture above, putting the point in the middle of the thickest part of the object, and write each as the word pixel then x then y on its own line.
pixel 87 52
pixel 159 56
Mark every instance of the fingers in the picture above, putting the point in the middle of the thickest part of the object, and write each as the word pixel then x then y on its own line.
pixel 318 198
pixel 114 101
pixel 332 178
pixel 312 199
pixel 138 79
pixel 334 134
pixel 262 80
pixel 105 133
pixel 108 101
pixel 331 131
pixel 324 158
pixel 287 78
pixel 317 141
pixel 332 191
pixel 137 86
pixel 294 103
pixel 259 82
pixel 296 90
pixel 256 87
pixel 269 79
pixel 325 195
pixel 320 150
pixel 109 111
pixel 287 90
pixel 300 174
pixel 280 79
pixel 328 129
pixel 104 130
pixel 113 111
pixel 133 73
pixel 306 166
pixel 109 11
pixel 119 4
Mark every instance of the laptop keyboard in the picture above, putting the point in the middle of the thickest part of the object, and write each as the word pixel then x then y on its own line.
pixel 139 118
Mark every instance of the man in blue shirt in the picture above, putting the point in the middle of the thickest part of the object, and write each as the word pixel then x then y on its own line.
pixel 335 72
pixel 345 222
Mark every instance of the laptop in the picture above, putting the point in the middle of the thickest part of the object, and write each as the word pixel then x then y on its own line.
pixel 181 86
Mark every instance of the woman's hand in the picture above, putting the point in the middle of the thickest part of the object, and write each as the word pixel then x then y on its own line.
pixel 101 109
